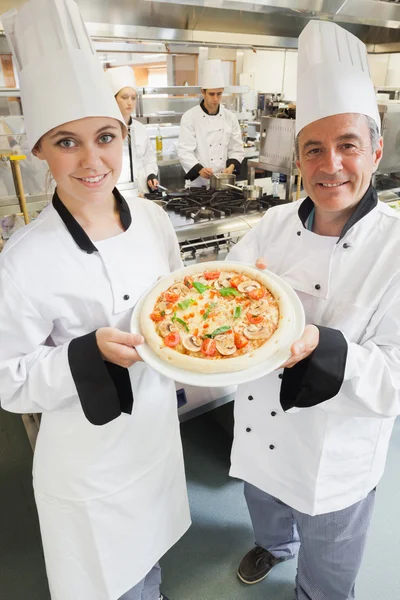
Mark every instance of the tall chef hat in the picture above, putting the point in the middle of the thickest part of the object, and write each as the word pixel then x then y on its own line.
pixel 213 75
pixel 61 79
pixel 332 75
pixel 119 78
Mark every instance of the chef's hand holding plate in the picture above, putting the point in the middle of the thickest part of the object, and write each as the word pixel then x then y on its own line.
pixel 308 341
pixel 118 347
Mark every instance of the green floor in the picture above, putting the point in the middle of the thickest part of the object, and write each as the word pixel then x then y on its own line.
pixel 202 566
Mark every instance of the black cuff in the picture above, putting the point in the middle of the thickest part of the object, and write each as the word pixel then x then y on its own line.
pixel 150 178
pixel 233 161
pixel 194 172
pixel 318 377
pixel 104 389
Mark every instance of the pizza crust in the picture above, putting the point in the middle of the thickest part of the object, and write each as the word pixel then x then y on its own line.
pixel 201 365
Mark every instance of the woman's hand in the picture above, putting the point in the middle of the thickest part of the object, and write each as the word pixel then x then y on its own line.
pixel 153 184
pixel 118 347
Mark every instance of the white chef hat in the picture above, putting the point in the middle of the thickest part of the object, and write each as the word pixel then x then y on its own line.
pixel 61 79
pixel 332 75
pixel 119 78
pixel 213 75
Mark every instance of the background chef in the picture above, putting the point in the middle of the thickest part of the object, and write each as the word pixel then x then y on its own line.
pixel 108 468
pixel 311 440
pixel 210 139
pixel 138 151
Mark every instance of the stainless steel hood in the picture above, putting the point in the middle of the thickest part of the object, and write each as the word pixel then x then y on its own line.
pixel 258 23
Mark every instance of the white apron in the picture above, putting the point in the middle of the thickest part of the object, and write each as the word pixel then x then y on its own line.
pixel 111 499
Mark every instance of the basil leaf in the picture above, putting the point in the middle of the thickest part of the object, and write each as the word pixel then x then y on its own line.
pixel 182 322
pixel 200 287
pixel 209 309
pixel 218 331
pixel 229 292
pixel 185 303
pixel 238 312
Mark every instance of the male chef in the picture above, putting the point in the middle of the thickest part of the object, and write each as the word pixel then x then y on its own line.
pixel 210 140
pixel 311 438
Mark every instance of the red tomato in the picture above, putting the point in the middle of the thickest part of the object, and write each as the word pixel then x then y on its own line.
pixel 171 297
pixel 234 281
pixel 209 347
pixel 156 317
pixel 240 340
pixel 172 339
pixel 257 294
pixel 210 275
pixel 253 320
pixel 188 281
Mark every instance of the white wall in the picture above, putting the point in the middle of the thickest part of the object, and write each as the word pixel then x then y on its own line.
pixel 393 72
pixel 385 69
pixel 272 71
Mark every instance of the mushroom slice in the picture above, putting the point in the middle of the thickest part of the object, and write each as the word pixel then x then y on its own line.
pixel 166 327
pixel 225 345
pixel 191 343
pixel 163 307
pixel 258 332
pixel 258 307
pixel 222 282
pixel 248 286
pixel 179 288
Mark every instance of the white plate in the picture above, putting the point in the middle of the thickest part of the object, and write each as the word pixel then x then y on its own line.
pixel 223 379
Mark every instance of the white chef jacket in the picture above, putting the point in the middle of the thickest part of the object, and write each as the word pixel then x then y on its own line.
pixel 112 498
pixel 144 161
pixel 326 454
pixel 209 141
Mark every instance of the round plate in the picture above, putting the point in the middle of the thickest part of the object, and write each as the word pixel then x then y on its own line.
pixel 231 378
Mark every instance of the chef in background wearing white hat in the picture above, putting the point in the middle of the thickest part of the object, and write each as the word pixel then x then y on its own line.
pixel 210 139
pixel 108 469
pixel 311 438
pixel 140 153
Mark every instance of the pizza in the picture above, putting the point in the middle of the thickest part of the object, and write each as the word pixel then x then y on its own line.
pixel 216 317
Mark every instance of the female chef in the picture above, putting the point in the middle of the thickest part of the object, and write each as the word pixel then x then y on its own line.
pixel 108 470
pixel 141 154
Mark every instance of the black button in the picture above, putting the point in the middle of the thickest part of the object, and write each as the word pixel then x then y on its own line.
pixel 126 297
pixel 248 429
pixel 250 397
pixel 280 376
pixel 273 414
pixel 346 245
pixel 299 233
pixel 317 287
pixel 271 447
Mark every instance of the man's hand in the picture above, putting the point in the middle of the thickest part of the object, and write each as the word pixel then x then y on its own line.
pixel 303 347
pixel 118 347
pixel 153 184
pixel 229 169
pixel 206 173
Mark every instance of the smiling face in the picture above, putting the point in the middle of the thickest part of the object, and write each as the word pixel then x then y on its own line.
pixel 126 99
pixel 337 161
pixel 84 157
pixel 212 99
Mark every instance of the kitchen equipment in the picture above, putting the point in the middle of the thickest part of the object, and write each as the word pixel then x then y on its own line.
pixel 250 192
pixel 219 181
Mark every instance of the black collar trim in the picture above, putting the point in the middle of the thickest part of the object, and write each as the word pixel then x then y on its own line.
pixel 367 203
pixel 203 108
pixel 77 232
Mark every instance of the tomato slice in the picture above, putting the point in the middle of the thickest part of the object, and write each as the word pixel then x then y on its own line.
pixel 188 281
pixel 172 339
pixel 209 347
pixel 171 297
pixel 257 294
pixel 254 320
pixel 235 280
pixel 211 275
pixel 240 340
pixel 156 317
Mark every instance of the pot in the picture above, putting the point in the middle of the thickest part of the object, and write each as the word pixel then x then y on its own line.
pixel 220 181
pixel 250 192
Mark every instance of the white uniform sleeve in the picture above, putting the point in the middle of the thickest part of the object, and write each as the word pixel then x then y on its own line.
pixel 34 375
pixel 187 143
pixel 235 146
pixel 149 159
pixel 171 241
pixel 248 250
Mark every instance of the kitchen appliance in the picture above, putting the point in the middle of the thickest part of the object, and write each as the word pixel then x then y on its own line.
pixel 250 192
pixel 219 181
pixel 390 117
